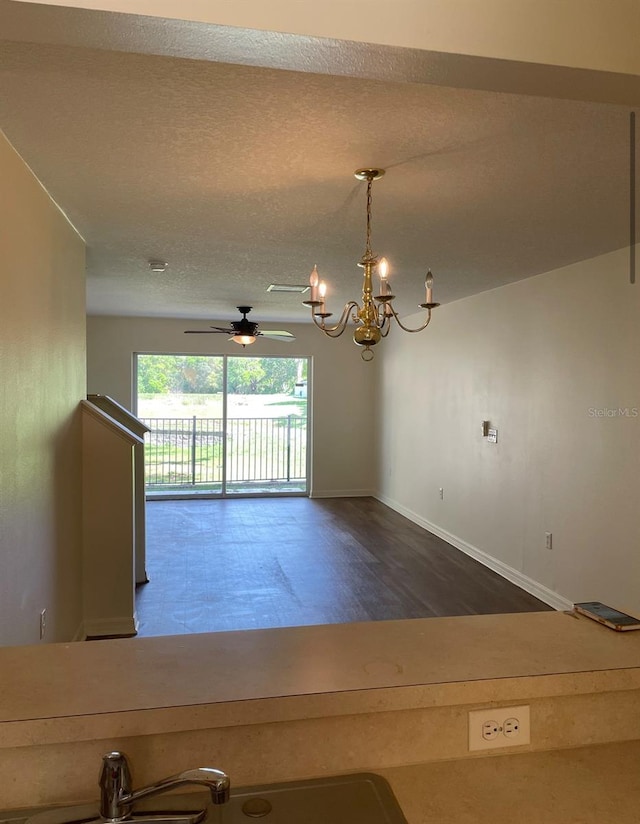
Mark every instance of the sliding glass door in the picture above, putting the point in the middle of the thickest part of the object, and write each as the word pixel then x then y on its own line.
pixel 223 425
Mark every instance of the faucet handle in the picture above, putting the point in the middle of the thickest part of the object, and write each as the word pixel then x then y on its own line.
pixel 115 783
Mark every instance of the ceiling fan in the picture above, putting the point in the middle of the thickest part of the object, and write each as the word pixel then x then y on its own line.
pixel 243 331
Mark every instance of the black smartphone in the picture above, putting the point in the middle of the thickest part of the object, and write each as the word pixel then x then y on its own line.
pixel 608 616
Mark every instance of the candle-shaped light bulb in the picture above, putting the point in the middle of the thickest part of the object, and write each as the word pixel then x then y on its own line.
pixel 313 283
pixel 429 284
pixel 323 291
pixel 383 271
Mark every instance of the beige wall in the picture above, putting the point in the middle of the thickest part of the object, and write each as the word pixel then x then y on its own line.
pixel 343 386
pixel 537 359
pixel 42 375
pixel 591 34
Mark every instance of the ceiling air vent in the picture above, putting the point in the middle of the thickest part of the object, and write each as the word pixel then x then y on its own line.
pixel 288 287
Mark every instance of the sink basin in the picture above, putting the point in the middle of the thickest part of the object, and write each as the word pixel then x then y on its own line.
pixel 360 798
pixel 364 798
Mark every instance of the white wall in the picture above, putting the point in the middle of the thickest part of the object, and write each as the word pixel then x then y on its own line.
pixel 535 358
pixel 343 386
pixel 42 379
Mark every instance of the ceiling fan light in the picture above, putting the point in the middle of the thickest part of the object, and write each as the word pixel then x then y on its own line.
pixel 244 340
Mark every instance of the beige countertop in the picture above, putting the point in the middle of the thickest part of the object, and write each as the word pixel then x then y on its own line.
pixel 61 680
pixel 587 785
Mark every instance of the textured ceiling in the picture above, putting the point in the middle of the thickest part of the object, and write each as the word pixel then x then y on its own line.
pixel 242 176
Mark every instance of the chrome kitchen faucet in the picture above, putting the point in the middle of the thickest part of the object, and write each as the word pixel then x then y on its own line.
pixel 117 796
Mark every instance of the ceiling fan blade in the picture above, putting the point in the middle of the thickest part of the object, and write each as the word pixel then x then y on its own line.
pixel 212 331
pixel 277 334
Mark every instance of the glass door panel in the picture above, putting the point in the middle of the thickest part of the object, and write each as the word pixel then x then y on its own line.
pixel 266 425
pixel 180 398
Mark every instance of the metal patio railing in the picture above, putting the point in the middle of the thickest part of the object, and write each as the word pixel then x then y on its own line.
pixel 190 452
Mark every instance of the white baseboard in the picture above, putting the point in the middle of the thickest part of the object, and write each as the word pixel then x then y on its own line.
pixel 342 493
pixel 80 635
pixel 553 599
pixel 101 627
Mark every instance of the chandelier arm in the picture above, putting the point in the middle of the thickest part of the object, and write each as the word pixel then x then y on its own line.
pixel 340 326
pixel 406 328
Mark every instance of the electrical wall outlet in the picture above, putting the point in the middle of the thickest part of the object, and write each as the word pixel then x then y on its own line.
pixel 499 727
pixel 441 493
pixel 548 540
pixel 43 624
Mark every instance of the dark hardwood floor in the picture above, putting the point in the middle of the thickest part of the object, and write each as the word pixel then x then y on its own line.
pixel 273 562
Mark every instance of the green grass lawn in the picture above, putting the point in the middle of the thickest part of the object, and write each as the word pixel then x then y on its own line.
pixel 210 406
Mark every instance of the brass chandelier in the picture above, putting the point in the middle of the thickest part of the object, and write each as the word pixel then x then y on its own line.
pixel 373 318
